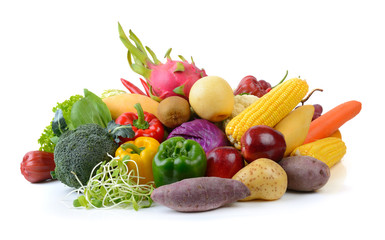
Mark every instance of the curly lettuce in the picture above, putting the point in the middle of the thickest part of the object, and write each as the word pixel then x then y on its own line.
pixel 48 139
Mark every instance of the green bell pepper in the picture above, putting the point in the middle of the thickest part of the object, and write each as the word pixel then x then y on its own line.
pixel 178 158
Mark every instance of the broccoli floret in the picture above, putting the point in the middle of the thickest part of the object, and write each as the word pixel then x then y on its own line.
pixel 79 151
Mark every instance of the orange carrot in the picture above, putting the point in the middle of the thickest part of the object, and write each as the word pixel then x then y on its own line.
pixel 328 123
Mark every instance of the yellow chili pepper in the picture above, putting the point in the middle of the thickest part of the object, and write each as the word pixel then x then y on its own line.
pixel 142 150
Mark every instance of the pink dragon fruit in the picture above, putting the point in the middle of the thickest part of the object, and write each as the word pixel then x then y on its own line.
pixel 173 78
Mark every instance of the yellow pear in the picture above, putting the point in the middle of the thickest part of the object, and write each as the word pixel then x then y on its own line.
pixel 212 98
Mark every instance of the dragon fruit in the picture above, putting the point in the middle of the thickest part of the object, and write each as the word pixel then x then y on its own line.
pixel 173 78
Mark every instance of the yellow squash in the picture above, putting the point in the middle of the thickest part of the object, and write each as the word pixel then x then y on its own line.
pixel 295 126
pixel 125 102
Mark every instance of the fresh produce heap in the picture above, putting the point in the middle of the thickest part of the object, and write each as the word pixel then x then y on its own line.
pixel 188 141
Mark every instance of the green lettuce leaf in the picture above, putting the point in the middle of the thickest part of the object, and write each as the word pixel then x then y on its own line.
pixel 90 109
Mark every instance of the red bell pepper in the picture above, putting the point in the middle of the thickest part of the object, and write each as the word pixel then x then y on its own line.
pixel 143 124
pixel 250 85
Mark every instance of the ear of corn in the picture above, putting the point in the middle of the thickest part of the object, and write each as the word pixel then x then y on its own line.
pixel 268 110
pixel 329 150
pixel 336 134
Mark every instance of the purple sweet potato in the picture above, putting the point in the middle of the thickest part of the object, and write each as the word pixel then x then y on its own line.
pixel 305 173
pixel 200 194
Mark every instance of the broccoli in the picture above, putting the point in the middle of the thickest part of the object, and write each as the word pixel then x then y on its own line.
pixel 79 151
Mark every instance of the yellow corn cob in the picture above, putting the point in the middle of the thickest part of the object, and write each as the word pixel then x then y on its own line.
pixel 268 110
pixel 329 150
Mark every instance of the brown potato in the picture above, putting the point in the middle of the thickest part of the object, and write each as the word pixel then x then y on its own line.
pixel 305 173
pixel 265 178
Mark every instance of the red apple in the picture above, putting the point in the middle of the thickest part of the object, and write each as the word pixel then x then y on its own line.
pixel 224 162
pixel 263 142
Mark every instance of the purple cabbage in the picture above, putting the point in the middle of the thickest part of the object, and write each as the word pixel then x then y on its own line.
pixel 206 133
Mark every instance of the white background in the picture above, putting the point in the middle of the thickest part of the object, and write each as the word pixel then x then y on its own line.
pixel 51 50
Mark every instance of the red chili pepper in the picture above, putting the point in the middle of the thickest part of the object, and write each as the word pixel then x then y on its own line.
pixel 143 124
pixel 37 166
pixel 146 88
pixel 131 87
pixel 149 92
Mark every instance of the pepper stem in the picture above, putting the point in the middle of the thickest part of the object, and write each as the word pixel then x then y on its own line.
pixel 177 150
pixel 140 123
pixel 283 79
pixel 131 146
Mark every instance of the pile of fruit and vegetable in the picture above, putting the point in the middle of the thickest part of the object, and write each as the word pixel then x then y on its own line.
pixel 188 141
